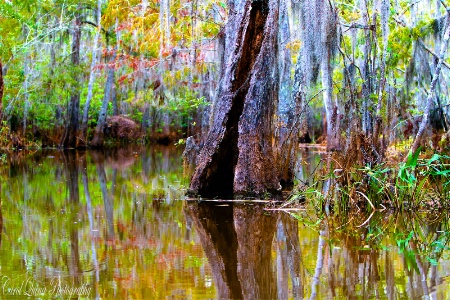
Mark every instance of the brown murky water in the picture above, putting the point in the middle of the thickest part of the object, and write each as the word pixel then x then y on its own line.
pixel 115 225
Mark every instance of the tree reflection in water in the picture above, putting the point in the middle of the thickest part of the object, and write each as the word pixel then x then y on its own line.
pixel 70 159
pixel 1 215
pixel 238 241
pixel 258 255
pixel 113 221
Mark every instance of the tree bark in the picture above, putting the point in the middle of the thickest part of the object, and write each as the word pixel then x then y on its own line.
pixel 84 124
pixel 98 140
pixel 237 158
pixel 385 10
pixel 328 44
pixel 69 138
pixel 286 136
pixel 331 109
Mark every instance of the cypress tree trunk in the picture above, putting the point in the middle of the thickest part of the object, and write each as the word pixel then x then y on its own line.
pixel 69 138
pixel 238 157
pixel 98 139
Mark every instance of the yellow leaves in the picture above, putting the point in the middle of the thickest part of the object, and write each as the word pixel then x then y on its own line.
pixel 294 46
pixel 350 16
pixel 209 29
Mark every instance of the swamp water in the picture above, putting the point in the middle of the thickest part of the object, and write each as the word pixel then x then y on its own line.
pixel 114 225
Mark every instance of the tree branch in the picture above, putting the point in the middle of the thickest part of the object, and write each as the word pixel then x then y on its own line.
pixel 421 43
pixel 96 26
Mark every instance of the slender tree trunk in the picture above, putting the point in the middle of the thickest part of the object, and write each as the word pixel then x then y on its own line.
pixel 429 103
pixel 285 120
pixel 329 41
pixel 238 157
pixel 146 117
pixel 46 139
pixel 84 124
pixel 26 74
pixel 331 109
pixel 385 11
pixel 98 140
pixel 115 104
pixel 164 45
pixel 1 92
pixel 69 138
pixel 366 72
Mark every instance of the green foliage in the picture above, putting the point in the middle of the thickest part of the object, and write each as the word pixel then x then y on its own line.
pixel 399 46
pixel 4 135
pixel 406 171
pixel 186 102
pixel 419 182
pixel 416 183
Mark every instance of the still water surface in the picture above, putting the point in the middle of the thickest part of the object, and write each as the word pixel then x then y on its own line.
pixel 115 225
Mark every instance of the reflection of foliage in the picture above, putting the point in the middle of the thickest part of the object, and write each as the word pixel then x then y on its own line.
pixel 394 246
pixel 144 257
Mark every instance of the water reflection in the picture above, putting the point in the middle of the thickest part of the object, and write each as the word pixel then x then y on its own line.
pixel 1 217
pixel 289 258
pixel 70 160
pixel 112 221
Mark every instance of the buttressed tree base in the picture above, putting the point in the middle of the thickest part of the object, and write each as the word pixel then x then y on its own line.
pixel 237 158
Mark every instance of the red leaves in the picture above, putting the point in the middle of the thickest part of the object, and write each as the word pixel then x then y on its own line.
pixel 122 78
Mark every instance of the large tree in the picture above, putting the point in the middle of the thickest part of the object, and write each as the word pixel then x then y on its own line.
pixel 237 158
